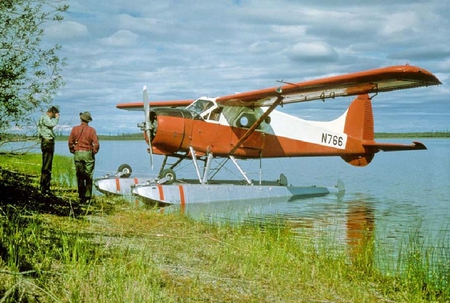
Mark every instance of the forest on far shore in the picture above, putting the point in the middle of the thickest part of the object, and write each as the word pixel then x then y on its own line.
pixel 139 136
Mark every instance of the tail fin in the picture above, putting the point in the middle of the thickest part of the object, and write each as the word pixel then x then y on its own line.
pixel 359 125
pixel 359 119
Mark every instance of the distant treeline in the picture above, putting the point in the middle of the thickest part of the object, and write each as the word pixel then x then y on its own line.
pixel 5 137
pixel 433 134
pixel 437 134
pixel 134 136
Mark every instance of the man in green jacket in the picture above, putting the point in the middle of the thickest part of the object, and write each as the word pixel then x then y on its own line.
pixel 46 124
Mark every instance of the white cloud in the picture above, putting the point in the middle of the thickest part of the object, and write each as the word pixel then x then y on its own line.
pixel 400 25
pixel 141 24
pixel 120 38
pixel 312 51
pixel 66 30
pixel 290 30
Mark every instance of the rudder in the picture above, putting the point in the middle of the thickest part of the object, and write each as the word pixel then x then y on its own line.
pixel 359 120
pixel 359 125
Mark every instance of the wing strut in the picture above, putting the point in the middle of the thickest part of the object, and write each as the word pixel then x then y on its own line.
pixel 257 123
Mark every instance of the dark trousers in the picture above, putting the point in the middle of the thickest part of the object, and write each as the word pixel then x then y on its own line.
pixel 84 165
pixel 48 149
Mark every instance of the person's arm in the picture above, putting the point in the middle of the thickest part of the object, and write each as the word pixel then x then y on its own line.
pixel 71 141
pixel 95 142
pixel 50 122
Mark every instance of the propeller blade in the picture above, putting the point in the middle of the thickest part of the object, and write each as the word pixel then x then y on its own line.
pixel 148 123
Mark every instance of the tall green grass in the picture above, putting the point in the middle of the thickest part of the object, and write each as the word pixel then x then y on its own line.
pixel 421 262
pixel 63 170
pixel 139 255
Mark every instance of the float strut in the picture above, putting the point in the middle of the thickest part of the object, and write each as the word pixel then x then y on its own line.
pixel 249 182
pixel 194 161
pixel 207 166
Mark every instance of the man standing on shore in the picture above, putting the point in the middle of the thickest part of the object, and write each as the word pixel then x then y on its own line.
pixel 83 143
pixel 46 124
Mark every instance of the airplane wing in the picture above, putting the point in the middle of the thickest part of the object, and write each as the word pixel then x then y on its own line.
pixel 139 106
pixel 371 81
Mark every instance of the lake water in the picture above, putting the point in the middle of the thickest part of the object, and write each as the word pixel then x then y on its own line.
pixel 399 193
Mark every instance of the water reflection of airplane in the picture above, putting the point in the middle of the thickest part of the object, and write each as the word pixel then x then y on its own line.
pixel 360 229
pixel 350 224
pixel 247 126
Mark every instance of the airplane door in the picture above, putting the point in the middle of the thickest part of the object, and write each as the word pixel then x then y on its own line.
pixel 255 142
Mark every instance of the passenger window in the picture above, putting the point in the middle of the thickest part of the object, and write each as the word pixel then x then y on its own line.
pixel 245 120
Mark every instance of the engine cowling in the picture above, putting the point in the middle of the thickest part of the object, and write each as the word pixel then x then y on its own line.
pixel 168 128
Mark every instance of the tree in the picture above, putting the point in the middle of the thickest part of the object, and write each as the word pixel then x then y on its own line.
pixel 29 74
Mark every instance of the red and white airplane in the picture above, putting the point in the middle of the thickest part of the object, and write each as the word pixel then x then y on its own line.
pixel 248 126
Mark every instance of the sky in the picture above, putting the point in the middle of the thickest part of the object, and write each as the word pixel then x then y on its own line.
pixel 189 49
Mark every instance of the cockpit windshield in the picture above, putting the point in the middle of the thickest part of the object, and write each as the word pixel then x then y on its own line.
pixel 200 106
pixel 206 109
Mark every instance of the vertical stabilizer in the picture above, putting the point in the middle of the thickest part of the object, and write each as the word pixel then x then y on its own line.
pixel 359 126
pixel 359 120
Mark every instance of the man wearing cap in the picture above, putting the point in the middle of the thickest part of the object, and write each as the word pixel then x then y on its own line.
pixel 46 123
pixel 83 143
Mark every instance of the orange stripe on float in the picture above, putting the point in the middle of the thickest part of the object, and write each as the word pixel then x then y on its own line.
pixel 118 184
pixel 137 200
pixel 161 192
pixel 182 197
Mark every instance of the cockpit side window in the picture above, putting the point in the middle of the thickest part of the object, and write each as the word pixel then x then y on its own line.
pixel 215 114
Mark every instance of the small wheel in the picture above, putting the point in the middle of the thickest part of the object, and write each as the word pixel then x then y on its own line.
pixel 168 173
pixel 124 171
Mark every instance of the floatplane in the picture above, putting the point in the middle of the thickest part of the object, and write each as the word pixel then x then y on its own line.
pixel 248 126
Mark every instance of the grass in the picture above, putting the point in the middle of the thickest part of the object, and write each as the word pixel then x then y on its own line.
pixel 110 251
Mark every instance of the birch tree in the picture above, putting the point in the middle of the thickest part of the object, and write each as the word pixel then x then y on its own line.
pixel 30 73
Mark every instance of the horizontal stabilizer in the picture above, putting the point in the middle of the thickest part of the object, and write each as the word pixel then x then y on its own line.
pixel 394 146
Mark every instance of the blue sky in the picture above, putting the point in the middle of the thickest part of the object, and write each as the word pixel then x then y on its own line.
pixel 188 49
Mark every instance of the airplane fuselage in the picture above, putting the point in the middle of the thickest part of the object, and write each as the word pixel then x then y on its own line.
pixel 279 135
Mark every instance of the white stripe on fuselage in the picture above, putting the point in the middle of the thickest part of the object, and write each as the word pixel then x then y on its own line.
pixel 329 133
pixel 318 132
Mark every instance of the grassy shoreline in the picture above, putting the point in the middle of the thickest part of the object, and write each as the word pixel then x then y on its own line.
pixel 55 250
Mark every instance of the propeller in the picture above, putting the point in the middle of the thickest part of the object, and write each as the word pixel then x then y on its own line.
pixel 148 125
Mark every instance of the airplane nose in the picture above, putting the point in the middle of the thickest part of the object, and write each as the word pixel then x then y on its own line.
pixel 153 124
